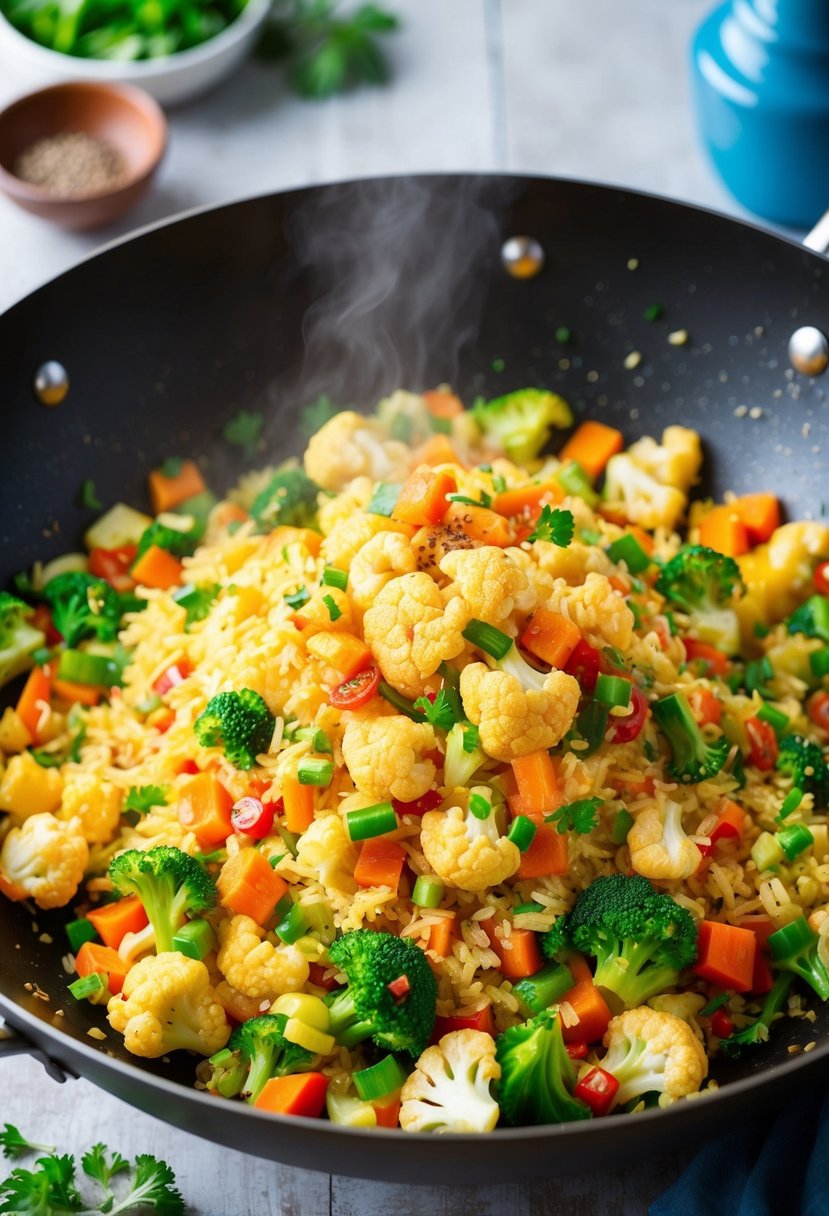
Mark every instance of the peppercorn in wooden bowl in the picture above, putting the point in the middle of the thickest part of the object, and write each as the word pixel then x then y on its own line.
pixel 80 154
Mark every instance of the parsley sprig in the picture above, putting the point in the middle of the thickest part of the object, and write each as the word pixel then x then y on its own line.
pixel 555 524
pixel 142 798
pixel 245 432
pixel 439 712
pixel 581 816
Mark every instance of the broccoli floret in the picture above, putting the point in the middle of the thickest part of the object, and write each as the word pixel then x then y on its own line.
pixel 290 497
pixel 811 618
pixel 257 1050
pixel 174 540
pixel 17 637
pixel 757 1032
pixel 693 758
pixel 84 606
pixel 366 1008
pixel 805 763
pixel 521 422
pixel 640 938
pixel 537 1074
pixel 240 722
pixel 795 948
pixel 702 583
pixel 169 883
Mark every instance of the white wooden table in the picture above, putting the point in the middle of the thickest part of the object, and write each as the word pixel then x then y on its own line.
pixel 594 89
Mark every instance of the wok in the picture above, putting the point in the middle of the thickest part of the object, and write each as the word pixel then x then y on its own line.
pixel 354 289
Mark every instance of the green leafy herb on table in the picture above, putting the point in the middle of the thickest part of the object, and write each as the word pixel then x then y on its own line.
pixel 325 51
pixel 245 432
pixel 51 1189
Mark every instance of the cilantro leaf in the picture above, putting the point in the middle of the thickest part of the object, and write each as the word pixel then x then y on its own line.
pixel 581 816
pixel 438 712
pixel 196 601
pixel 484 501
pixel 87 496
pixel 245 431
pixel 13 1144
pixel 154 1187
pixel 328 53
pixel 96 1164
pixel 171 467
pixel 142 798
pixel 555 524
pixel 313 417
pixel 47 1191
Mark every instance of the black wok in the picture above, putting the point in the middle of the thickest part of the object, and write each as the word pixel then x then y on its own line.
pixel 354 289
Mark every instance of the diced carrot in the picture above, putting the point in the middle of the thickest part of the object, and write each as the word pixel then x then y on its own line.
pixel 387 1110
pixel 618 583
pixel 380 863
pixel 285 535
pixel 716 661
pixel 161 719
pixel 298 801
pixel 588 1004
pixel 464 1019
pixel 229 513
pixel 438 450
pixel 168 492
pixel 113 921
pixel 442 404
pixel 537 783
pixel 632 785
pixel 551 636
pixel 204 807
pixel 423 497
pixel 521 957
pixel 527 498
pixel 705 706
pixel 723 530
pixel 80 694
pixel 249 886
pixel 340 650
pixel 760 513
pixel 93 957
pixel 300 1093
pixel 157 568
pixel 579 968
pixel 761 926
pixel 731 820
pixel 33 700
pixel 441 934
pixel 592 444
pixel 726 955
pixel 478 523
pixel 547 854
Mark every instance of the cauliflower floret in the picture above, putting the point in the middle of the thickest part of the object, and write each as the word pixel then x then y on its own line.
pixel 685 1005
pixel 490 582
pixel 513 720
pixel 381 559
pixel 601 614
pixel 383 756
pixel 571 563
pixel 256 967
pixel 449 1091
pixel 411 633
pixel 466 851
pixel 430 544
pixel 652 1051
pixel 778 575
pixel 27 788
pixel 325 852
pixel 348 536
pixel 44 860
pixel 167 1004
pixel 344 506
pixel 96 803
pixel 350 446
pixel 674 462
pixel 636 495
pixel 658 846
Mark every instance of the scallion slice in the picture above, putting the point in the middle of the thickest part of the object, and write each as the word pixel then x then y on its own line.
pixel 370 821
pixel 789 804
pixel 379 1079
pixel 794 839
pixel 612 691
pixel 384 499
pixel 479 806
pixel 313 770
pixel 332 577
pixel 293 925
pixel 622 823
pixel 488 639
pixel 427 891
pixel 89 985
pixel 195 939
pixel 80 931
pixel 522 832
pixel 628 550
pixel 774 716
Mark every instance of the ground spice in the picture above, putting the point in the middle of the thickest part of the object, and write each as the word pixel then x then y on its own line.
pixel 70 163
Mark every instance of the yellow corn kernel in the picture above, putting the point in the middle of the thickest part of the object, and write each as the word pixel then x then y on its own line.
pixel 14 736
pixel 29 789
pixel 308 1037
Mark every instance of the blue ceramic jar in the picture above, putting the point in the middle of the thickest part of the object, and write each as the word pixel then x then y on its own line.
pixel 760 73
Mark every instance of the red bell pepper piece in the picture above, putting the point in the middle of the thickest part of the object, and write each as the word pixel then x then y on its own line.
pixel 597 1090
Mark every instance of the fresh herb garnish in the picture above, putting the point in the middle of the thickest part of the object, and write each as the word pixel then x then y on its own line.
pixel 87 496
pixel 325 52
pixel 555 524
pixel 471 738
pixel 297 598
pixel 334 610
pixel 438 712
pixel 171 467
pixel 142 798
pixel 196 601
pixel 245 431
pixel 484 501
pixel 13 1144
pixel 313 417
pixel 581 816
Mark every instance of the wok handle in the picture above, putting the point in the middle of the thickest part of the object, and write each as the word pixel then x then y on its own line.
pixel 818 238
pixel 13 1043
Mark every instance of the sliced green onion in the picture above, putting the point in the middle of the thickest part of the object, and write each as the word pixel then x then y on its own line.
pixel 89 985
pixel 379 1080
pixel 274 860
pixel 714 1004
pixel 628 550
pixel 80 667
pixel 488 639
pixel 332 577
pixel 757 674
pixel 195 939
pixel 371 821
pixel 612 691
pixel 312 770
pixel 794 839
pixel 791 939
pixel 543 989
pixel 334 609
pixel 789 804
pixel 525 909
pixel 427 891
pixel 774 716
pixel 293 925
pixel 297 598
pixel 441 426
pixel 80 931
pixel 479 806
pixel 622 823
pixel 653 312
pixel 384 499
pixel 401 703
pixel 522 832
pixel 766 852
pixel 591 725
pixel 318 738
pixel 574 480
pixel 819 662
pixel 452 686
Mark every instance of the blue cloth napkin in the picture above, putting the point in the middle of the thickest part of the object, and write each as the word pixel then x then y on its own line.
pixel 760 1168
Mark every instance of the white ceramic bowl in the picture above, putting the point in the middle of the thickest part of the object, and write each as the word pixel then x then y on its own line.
pixel 171 80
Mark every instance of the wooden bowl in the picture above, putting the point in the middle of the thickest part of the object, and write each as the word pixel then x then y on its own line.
pixel 125 117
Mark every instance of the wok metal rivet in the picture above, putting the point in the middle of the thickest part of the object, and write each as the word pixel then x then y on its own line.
pixel 809 351
pixel 522 256
pixel 51 383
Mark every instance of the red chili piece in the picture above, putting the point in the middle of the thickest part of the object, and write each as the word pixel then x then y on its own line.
pixel 762 743
pixel 252 817
pixel 577 1051
pixel 429 801
pixel 625 729
pixel 400 989
pixel 819 710
pixel 721 1024
pixel 715 661
pixel 585 663
pixel 821 578
pixel 175 674
pixel 114 566
pixel 597 1090
pixel 353 693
